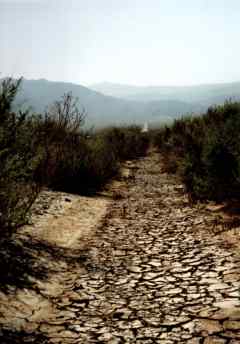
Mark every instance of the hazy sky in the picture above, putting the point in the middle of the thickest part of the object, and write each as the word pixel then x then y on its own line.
pixel 141 42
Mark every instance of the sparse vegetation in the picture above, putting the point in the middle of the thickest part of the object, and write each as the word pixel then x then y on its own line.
pixel 205 151
pixel 18 161
pixel 53 150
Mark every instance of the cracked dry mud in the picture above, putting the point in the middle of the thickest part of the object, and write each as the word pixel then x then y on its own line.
pixel 154 273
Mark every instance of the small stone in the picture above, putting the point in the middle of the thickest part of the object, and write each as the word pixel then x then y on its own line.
pixel 136 269
pixel 136 324
pixel 150 275
pixel 67 334
pixel 121 281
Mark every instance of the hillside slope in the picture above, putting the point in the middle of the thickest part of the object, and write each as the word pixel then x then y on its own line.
pixel 101 109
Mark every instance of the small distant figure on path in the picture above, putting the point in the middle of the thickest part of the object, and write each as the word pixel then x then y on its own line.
pixel 145 127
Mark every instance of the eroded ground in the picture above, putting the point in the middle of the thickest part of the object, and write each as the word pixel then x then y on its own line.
pixel 151 271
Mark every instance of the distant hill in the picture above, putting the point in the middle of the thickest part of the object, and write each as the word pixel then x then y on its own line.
pixel 200 94
pixel 101 109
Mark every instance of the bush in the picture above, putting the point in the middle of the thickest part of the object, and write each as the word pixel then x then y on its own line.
pixel 207 151
pixel 100 156
pixel 17 163
pixel 127 142
pixel 53 150
pixel 50 150
pixel 58 135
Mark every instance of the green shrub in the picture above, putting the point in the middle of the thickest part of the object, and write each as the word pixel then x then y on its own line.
pixel 59 138
pixel 207 151
pixel 53 150
pixel 127 142
pixel 50 150
pixel 17 162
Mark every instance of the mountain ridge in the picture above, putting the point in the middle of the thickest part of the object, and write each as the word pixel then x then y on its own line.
pixel 203 93
pixel 104 109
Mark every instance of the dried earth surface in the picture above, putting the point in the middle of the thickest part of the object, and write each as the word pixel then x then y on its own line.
pixel 143 266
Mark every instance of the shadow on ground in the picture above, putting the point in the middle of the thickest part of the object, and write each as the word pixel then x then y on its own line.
pixel 21 337
pixel 23 261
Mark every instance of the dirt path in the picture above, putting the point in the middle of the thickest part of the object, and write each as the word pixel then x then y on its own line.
pixel 152 273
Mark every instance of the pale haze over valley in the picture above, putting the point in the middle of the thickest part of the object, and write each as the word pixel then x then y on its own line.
pixel 132 50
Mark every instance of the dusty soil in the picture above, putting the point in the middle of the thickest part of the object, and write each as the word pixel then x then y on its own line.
pixel 138 264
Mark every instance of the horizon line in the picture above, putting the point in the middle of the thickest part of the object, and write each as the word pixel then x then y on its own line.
pixel 92 84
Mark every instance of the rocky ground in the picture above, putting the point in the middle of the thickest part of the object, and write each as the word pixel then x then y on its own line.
pixel 152 270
